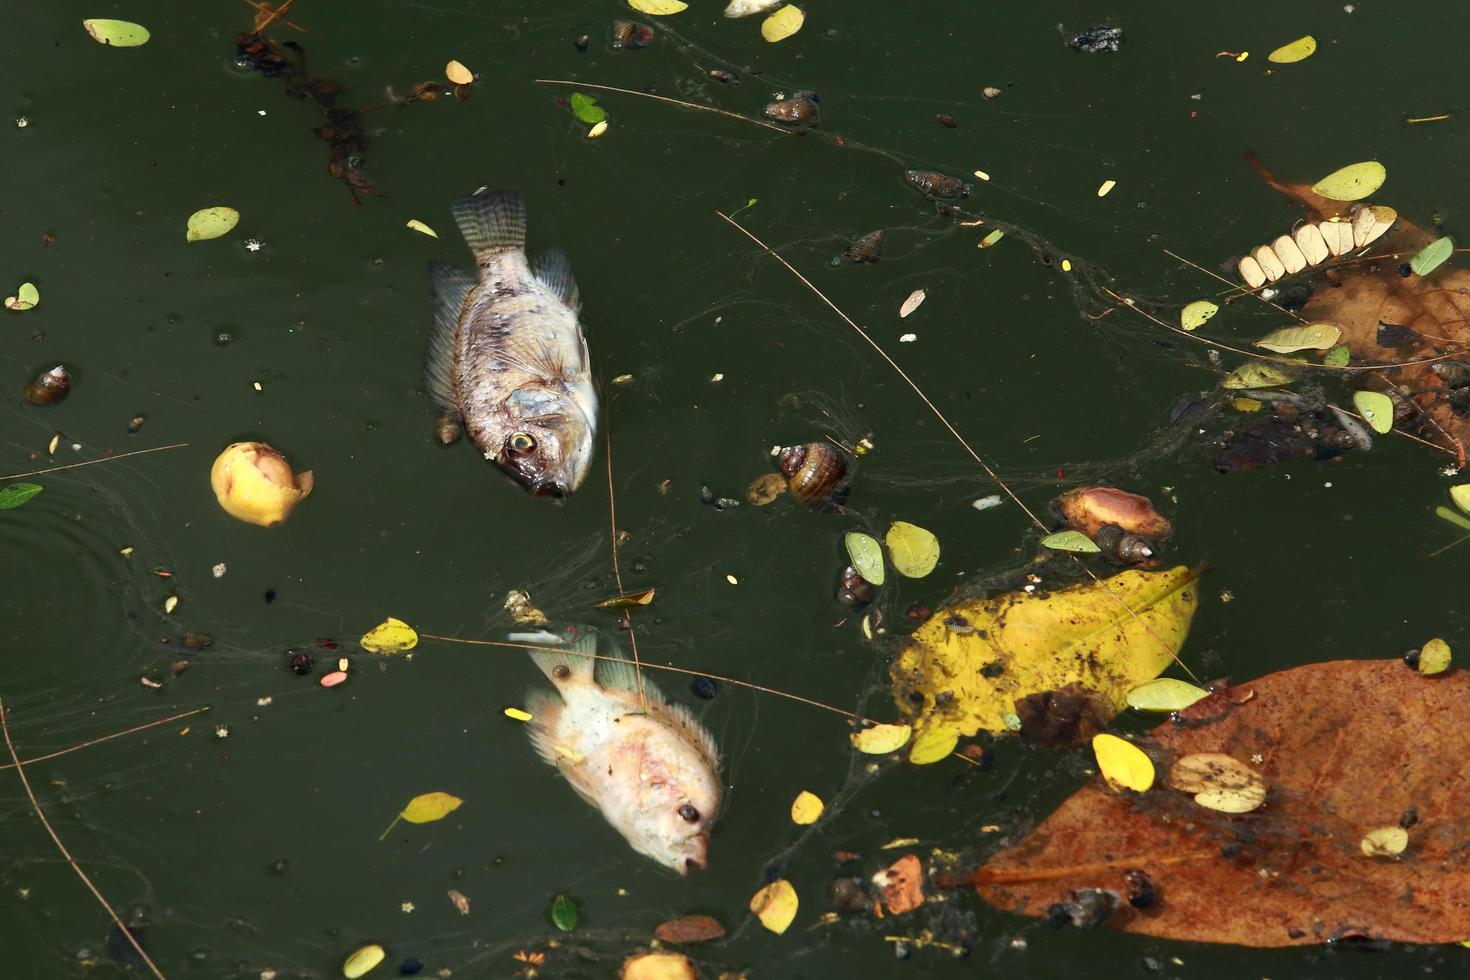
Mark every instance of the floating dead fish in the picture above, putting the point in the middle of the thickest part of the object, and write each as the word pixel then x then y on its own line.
pixel 631 35
pixel 1314 243
pixel 801 110
pixel 937 185
pixel 867 248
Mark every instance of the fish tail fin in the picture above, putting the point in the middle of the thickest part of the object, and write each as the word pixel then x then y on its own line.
pixel 577 658
pixel 545 708
pixel 491 222
pixel 450 287
pixel 555 272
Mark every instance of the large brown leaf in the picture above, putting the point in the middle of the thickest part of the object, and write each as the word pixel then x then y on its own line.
pixel 1346 747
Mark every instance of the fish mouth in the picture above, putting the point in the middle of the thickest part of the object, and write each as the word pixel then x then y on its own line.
pixel 695 856
pixel 548 488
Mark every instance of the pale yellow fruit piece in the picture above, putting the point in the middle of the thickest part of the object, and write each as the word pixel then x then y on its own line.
pixel 1269 262
pixel 806 808
pixel 1385 842
pixel 254 483
pixel 363 961
pixel 775 905
pixel 1251 272
pixel 1289 254
pixel 1123 764
pixel 1313 248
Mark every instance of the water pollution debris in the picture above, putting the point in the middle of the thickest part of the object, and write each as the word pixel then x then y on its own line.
pixel 801 111
pixel 1098 39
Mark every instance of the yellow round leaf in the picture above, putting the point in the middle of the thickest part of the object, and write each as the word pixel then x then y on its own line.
pixel 806 808
pixel 1353 182
pixel 1434 657
pixel 430 807
pixel 783 23
pixel 882 739
pixel 1461 496
pixel 458 74
pixel 1193 316
pixel 1122 763
pixel 1164 695
pixel 775 905
pixel 914 550
pixel 1376 408
pixel 207 223
pixel 1385 842
pixel 1299 50
pixel 363 961
pixel 389 636
pixel 933 744
pixel 658 8
pixel 116 33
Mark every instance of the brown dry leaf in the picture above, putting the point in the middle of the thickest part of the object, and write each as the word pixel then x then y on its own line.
pixel 689 929
pixel 1345 747
pixel 902 883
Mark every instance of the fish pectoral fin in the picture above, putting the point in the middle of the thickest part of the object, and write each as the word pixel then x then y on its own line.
pixel 491 222
pixel 555 272
pixel 451 286
pixel 577 660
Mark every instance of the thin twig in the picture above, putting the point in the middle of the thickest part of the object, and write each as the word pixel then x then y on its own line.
pixel 107 738
pixel 612 519
pixel 995 477
pixel 1235 287
pixel 35 804
pixel 664 98
pixel 104 459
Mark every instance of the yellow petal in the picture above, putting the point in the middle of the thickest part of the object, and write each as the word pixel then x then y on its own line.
pixel 882 739
pixel 933 744
pixel 1122 763
pixel 1107 186
pixel 775 905
pixel 783 23
pixel 458 74
pixel 517 714
pixel 658 8
pixel 1299 50
pixel 806 808
pixel 422 228
pixel 389 636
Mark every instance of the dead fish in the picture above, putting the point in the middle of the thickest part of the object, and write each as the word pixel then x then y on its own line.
pixel 937 185
pixel 507 358
pixel 801 110
pixel 654 774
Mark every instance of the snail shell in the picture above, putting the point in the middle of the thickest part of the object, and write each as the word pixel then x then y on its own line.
pixel 868 248
pixel 815 472
pixel 1454 374
pixel 799 110
pixel 448 429
pixel 631 35
pixel 49 388
pixel 937 184
pixel 1119 546
pixel 854 591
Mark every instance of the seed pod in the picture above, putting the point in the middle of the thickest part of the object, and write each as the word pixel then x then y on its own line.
pixel 1118 546
pixel 49 388
pixel 1269 262
pixel 815 473
pixel 1089 509
pixel 937 185
pixel 854 591
pixel 1251 272
pixel 868 248
pixel 1313 247
pixel 1290 256
pixel 801 110
pixel 631 35
pixel 448 429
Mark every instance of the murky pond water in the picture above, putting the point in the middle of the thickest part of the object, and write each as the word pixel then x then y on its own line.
pixel 247 836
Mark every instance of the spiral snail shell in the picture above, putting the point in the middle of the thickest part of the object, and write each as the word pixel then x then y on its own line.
pixel 447 429
pixel 1117 545
pixel 854 591
pixel 937 185
pixel 816 473
pixel 868 248
pixel 49 387
pixel 800 110
pixel 628 34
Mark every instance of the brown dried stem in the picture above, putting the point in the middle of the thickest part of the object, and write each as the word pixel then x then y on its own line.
pixel 106 738
pixel 664 98
pixel 90 462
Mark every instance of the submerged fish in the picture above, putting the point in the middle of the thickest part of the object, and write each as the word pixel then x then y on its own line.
pixel 507 358
pixel 654 774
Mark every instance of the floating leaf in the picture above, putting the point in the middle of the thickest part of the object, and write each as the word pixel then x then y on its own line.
pixel 1258 374
pixel 1385 842
pixel 1299 50
pixel 902 883
pixel 658 8
pixel 1218 782
pixel 1106 186
pixel 1107 637
pixel 458 74
pixel 1338 357
pixel 1432 256
pixel 806 808
pixel 426 808
pixel 564 913
pixel 116 33
pixel 389 636
pixel 662 965
pixel 1460 494
pixel 783 23
pixel 585 108
pixel 866 556
pixel 1456 519
pixel 1196 314
pixel 1312 336
pixel 689 929
pixel 933 745
pixel 1245 404
pixel 775 905
pixel 992 238
pixel 1165 695
pixel 1353 182
pixel 1070 541
pixel 628 601
pixel 1376 408
pixel 422 228
pixel 363 961
pixel 1123 764
pixel 207 223
pixel 881 739
pixel 1434 658
pixel 911 304
pixel 25 298
pixel 913 550
pixel 17 494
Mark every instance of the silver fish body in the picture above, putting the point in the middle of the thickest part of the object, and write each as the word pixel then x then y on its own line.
pixel 507 358
pixel 654 774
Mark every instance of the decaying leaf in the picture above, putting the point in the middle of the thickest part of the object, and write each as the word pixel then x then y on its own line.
pixel 390 636
pixel 775 905
pixel 1218 782
pixel 1312 336
pixel 783 23
pixel 1164 695
pixel 1385 842
pixel 1123 765
pixel 26 297
pixel 1196 314
pixel 628 601
pixel 806 808
pixel 1299 50
pixel 933 745
pixel 881 739
pixel 969 664
pixel 1258 374
pixel 689 929
pixel 866 555
pixel 1345 747
pixel 1434 658
pixel 913 550
pixel 116 33
pixel 518 604
pixel 902 884
pixel 765 488
pixel 1353 182
pixel 912 303
pixel 460 901
pixel 207 223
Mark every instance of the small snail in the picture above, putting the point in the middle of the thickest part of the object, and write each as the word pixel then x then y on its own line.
pixel 448 429
pixel 800 110
pixel 631 35
pixel 868 248
pixel 854 591
pixel 816 473
pixel 727 77
pixel 49 387
pixel 937 185
pixel 1117 545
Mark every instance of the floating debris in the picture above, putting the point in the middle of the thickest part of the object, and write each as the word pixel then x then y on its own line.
pixel 50 387
pixel 800 111
pixel 1099 39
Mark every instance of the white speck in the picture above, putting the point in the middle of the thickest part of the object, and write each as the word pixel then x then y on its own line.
pixel 257 386
pixel 1268 294
pixel 262 702
pixel 1018 943
pixel 1328 484
pixel 1348 8
pixel 717 378
pixel 982 175
pixel 1450 471
pixel 1030 588
pixel 732 580
pixel 21 122
pixel 622 379
pixel 76 447
pixel 985 503
pixel 260 112
pixel 219 570
pixel 252 244
pixel 221 731
pixel 908 338
pixel 406 907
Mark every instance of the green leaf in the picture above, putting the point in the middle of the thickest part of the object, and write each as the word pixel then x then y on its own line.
pixel 1460 494
pixel 992 238
pixel 207 223
pixel 1070 541
pixel 1299 50
pixel 1289 340
pixel 1353 182
pixel 914 550
pixel 1258 374
pixel 116 33
pixel 1376 407
pixel 1459 520
pixel 1194 316
pixel 866 555
pixel 1338 357
pixel 585 108
pixel 1431 256
pixel 1164 695
pixel 26 297
pixel 564 913
pixel 17 494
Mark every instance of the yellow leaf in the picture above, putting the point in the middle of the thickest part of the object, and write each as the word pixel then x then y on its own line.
pixel 806 808
pixel 207 223
pixel 389 636
pixel 933 744
pixel 914 551
pixel 881 739
pixel 1106 186
pixel 422 228
pixel 1245 404
pixel 1193 316
pixel 1164 695
pixel 1353 182
pixel 458 74
pixel 1461 496
pixel 1434 658
pixel 116 33
pixel 363 961
pixel 1108 637
pixel 658 8
pixel 25 298
pixel 1376 408
pixel 775 905
pixel 658 966
pixel 1258 374
pixel 517 714
pixel 430 807
pixel 1312 336
pixel 1299 50
pixel 1122 763
pixel 783 23
pixel 1385 842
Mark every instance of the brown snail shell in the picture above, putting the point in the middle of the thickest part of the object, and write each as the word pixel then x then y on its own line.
pixel 868 248
pixel 854 591
pixel 1089 509
pixel 1118 545
pixel 937 185
pixel 815 472
pixel 49 387
pixel 1454 374
pixel 631 35
pixel 801 109
pixel 447 429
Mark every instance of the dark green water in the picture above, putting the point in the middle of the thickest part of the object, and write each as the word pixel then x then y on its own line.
pixel 330 316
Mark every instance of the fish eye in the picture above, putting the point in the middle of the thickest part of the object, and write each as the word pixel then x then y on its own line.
pixel 522 442
pixel 689 812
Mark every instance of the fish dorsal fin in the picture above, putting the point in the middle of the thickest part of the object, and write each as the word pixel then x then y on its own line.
pixel 622 675
pixel 491 222
pixel 682 717
pixel 555 272
pixel 450 286
pixel 577 659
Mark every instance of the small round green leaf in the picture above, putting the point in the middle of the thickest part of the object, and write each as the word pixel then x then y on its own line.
pixel 1193 316
pixel 1338 357
pixel 208 223
pixel 564 913
pixel 116 33
pixel 1431 256
pixel 585 108
pixel 866 555
pixel 1376 408
pixel 17 494
pixel 1070 541
pixel 26 297
pixel 1289 340
pixel 914 551
pixel 1164 695
pixel 1353 182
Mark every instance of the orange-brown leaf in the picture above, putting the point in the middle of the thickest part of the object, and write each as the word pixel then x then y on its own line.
pixel 689 929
